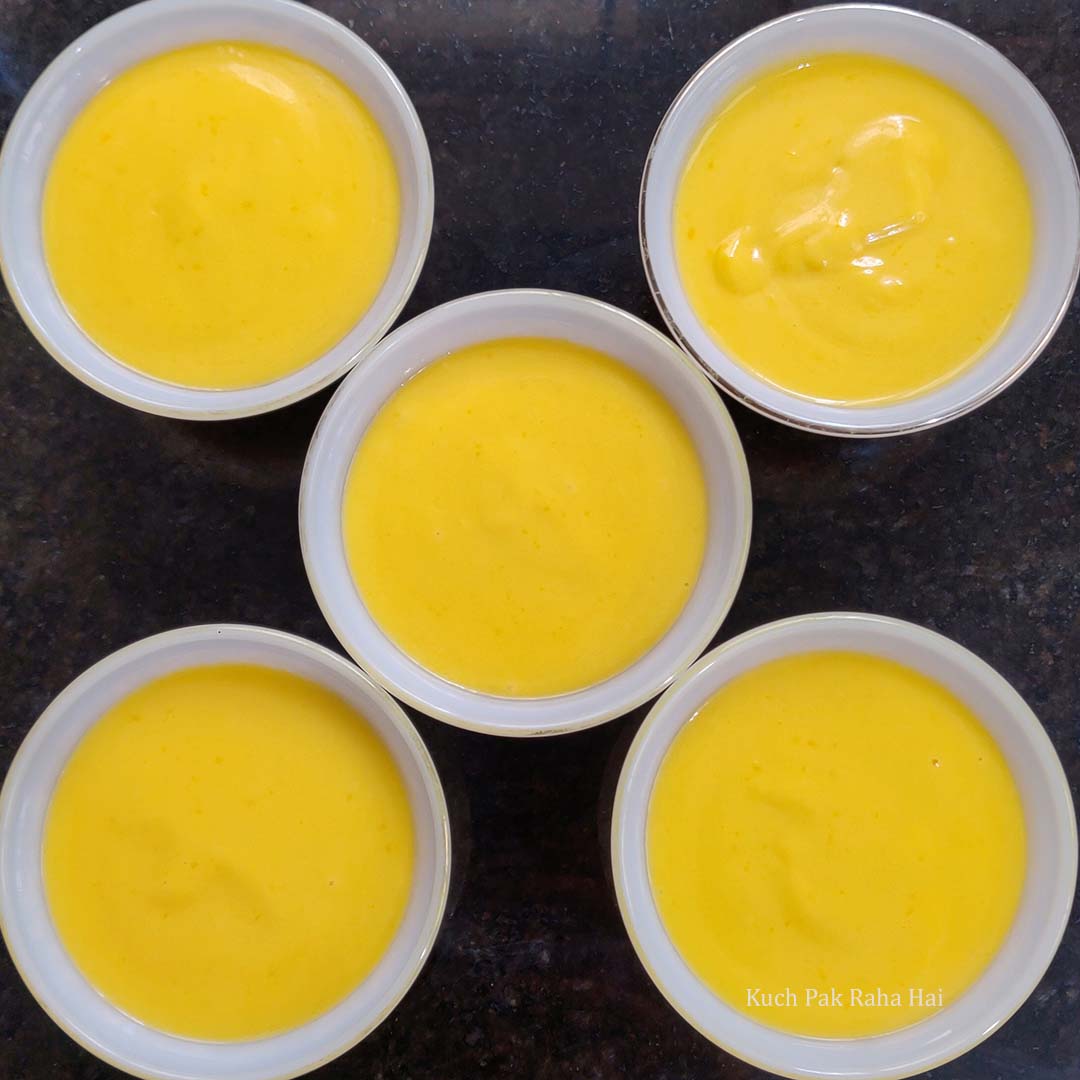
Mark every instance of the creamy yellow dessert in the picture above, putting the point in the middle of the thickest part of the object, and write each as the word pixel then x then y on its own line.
pixel 229 852
pixel 221 215
pixel 526 517
pixel 836 845
pixel 852 230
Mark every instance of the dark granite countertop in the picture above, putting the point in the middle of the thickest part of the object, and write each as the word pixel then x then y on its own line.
pixel 115 525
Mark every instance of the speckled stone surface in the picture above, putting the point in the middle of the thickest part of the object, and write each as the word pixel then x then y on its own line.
pixel 115 525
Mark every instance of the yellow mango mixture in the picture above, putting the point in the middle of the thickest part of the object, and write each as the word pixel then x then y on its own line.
pixel 526 517
pixel 229 852
pixel 221 215
pixel 852 230
pixel 836 845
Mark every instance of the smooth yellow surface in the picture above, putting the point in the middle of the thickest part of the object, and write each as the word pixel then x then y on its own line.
pixel 852 230
pixel 229 852
pixel 836 826
pixel 526 517
pixel 221 215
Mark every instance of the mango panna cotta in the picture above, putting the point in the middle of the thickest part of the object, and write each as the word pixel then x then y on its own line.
pixel 221 215
pixel 836 845
pixel 525 517
pixel 229 852
pixel 852 230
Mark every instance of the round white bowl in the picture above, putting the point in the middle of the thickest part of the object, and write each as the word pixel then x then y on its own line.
pixel 528 313
pixel 1051 854
pixel 38 952
pixel 982 75
pixel 136 34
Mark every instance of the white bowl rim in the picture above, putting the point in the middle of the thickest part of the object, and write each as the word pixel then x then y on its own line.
pixel 791 1063
pixel 256 635
pixel 539 725
pixel 194 403
pixel 849 429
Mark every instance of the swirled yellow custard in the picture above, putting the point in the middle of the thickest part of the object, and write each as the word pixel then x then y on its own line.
pixel 852 230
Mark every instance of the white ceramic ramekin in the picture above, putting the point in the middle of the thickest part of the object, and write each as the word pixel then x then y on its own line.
pixel 136 34
pixel 38 952
pixel 524 313
pixel 1051 856
pixel 982 75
